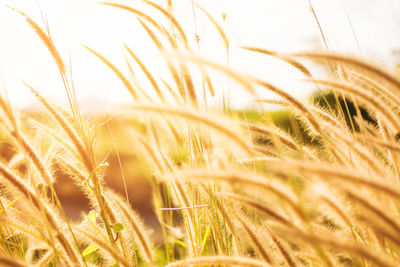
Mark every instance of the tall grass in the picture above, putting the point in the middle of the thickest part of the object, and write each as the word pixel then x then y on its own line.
pixel 222 197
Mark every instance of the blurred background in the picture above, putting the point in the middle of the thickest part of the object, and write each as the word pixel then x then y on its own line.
pixel 367 28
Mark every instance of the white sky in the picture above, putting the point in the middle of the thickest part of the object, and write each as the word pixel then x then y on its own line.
pixel 282 25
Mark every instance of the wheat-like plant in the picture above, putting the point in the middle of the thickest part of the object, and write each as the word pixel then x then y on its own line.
pixel 228 189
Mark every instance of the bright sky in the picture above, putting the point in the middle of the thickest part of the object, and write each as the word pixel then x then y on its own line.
pixel 284 25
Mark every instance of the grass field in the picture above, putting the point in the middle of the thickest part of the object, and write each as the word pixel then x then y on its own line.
pixel 174 180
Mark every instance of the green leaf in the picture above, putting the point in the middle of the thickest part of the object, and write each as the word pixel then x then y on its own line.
pixel 205 237
pixel 180 242
pixel 90 249
pixel 117 227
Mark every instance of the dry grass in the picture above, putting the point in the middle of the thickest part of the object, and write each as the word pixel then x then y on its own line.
pixel 221 197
